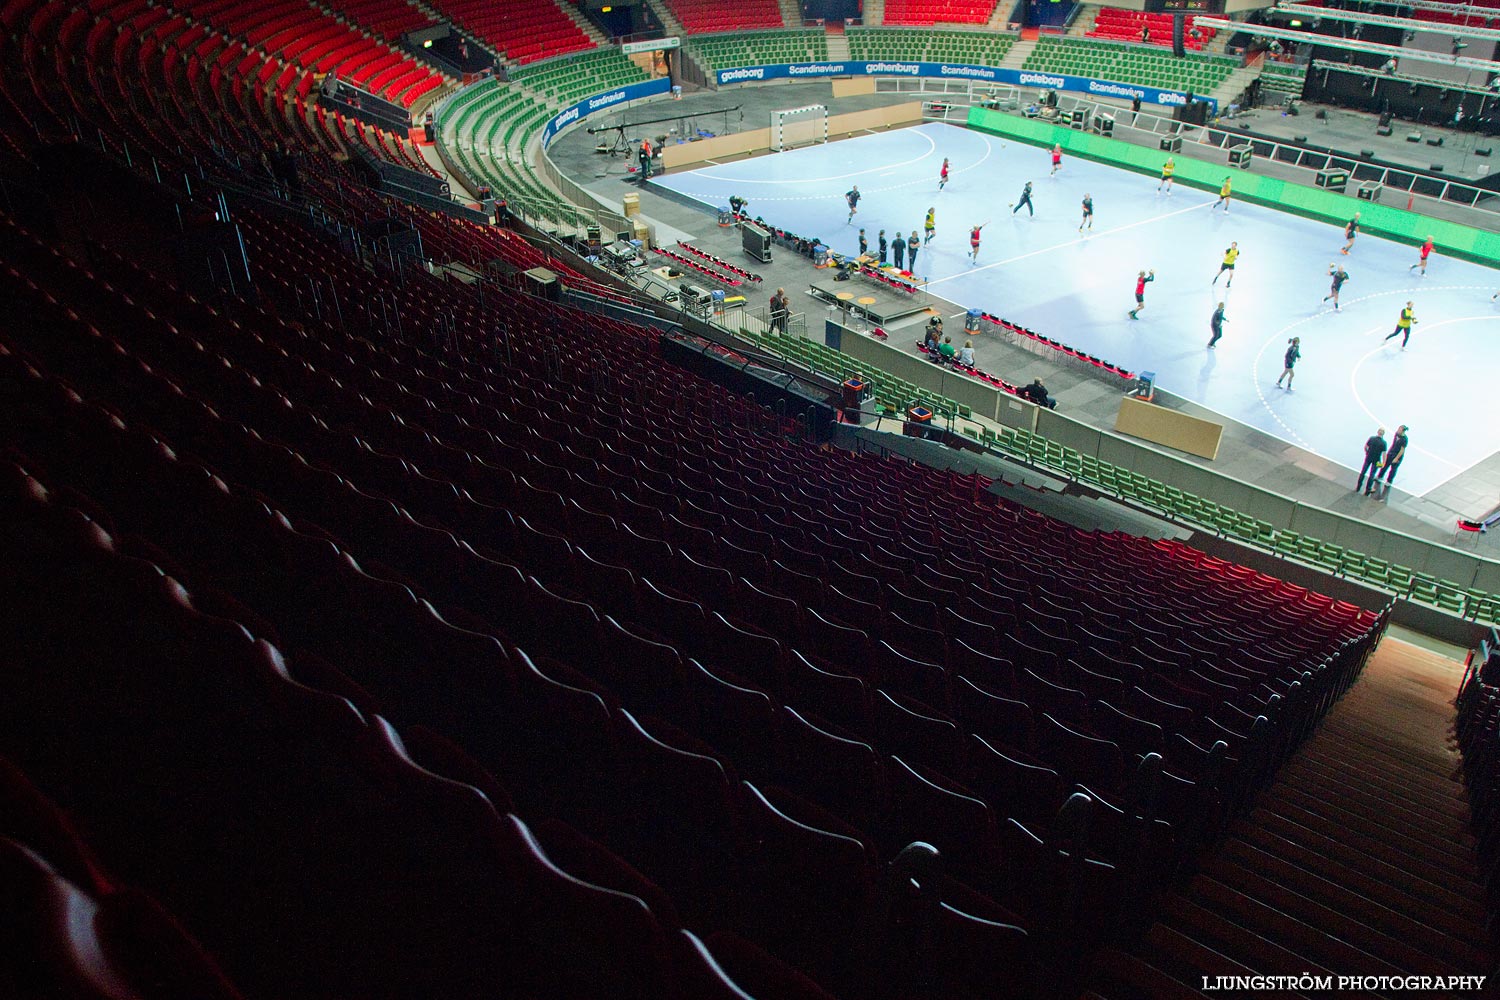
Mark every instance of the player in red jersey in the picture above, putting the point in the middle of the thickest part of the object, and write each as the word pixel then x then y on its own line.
pixel 1056 158
pixel 1141 280
pixel 1426 252
pixel 974 241
pixel 943 175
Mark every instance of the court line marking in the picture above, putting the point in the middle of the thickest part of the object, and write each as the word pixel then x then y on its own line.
pixel 931 148
pixel 1071 243
pixel 1292 435
pixel 1380 348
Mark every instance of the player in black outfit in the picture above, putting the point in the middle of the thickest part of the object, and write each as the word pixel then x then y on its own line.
pixel 1025 200
pixel 1374 452
pixel 1216 324
pixel 1339 276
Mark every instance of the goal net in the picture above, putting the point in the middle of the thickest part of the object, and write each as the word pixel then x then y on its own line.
pixel 793 127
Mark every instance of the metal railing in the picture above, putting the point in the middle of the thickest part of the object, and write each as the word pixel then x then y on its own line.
pixel 1414 183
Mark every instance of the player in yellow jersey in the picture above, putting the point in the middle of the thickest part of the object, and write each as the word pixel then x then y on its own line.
pixel 1223 196
pixel 1166 175
pixel 1231 254
pixel 930 226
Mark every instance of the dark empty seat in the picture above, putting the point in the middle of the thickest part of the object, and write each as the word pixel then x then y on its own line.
pixel 915 732
pixel 807 879
pixel 839 774
pixel 732 716
pixel 1081 757
pixel 1135 736
pixel 998 719
pixel 928 806
pixel 1013 787
pixel 912 675
pixel 843 699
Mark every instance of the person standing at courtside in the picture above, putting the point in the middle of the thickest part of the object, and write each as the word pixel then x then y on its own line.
pixel 1374 451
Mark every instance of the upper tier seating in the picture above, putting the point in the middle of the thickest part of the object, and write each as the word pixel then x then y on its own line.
pixel 1130 64
pixel 702 17
pixel 522 30
pixel 760 48
pixel 290 31
pixel 917 13
pixel 1483 14
pixel 969 47
pixel 390 19
pixel 1118 24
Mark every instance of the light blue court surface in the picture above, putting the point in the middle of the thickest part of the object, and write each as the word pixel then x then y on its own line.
pixel 1077 288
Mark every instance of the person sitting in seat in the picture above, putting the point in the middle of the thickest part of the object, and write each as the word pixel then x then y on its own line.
pixel 1037 393
pixel 966 354
pixel 930 340
pixel 947 350
pixel 737 205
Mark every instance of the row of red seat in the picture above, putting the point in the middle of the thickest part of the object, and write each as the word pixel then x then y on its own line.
pixel 703 269
pixel 926 12
pixel 717 261
pixel 293 32
pixel 522 30
pixel 390 19
pixel 704 17
pixel 1058 346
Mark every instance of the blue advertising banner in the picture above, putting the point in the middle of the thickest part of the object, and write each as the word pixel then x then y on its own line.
pixel 599 102
pixel 983 74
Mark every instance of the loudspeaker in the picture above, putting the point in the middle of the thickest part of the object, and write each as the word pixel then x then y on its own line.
pixel 1385 120
pixel 1177 44
pixel 1414 137
pixel 1300 139
pixel 1436 140
pixel 1384 130
pixel 1436 168
pixel 1322 115
pixel 1481 150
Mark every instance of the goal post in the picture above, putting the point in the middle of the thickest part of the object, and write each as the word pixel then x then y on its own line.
pixel 793 127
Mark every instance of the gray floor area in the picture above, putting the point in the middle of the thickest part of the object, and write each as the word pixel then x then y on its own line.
pixel 1245 453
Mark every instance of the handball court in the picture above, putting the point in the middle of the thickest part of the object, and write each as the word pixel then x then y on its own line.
pixel 1078 288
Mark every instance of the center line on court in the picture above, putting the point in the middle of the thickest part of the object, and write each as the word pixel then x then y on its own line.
pixel 1070 243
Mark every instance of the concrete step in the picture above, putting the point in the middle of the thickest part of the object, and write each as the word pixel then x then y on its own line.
pixel 1018 54
pixel 1288 931
pixel 1349 791
pixel 838 46
pixel 1438 795
pixel 1267 826
pixel 1452 864
pixel 1218 937
pixel 1380 908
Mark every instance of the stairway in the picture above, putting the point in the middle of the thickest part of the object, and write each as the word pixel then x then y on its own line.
pixel 837 42
pixel 1230 90
pixel 873 13
pixel 791 13
pixel 1357 861
pixel 1018 54
pixel 668 19
pixel 1000 16
pixel 589 28
pixel 1083 20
